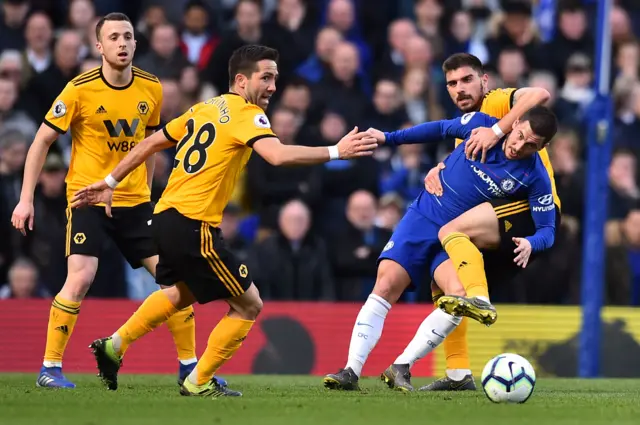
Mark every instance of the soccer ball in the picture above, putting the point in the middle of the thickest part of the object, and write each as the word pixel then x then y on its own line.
pixel 508 378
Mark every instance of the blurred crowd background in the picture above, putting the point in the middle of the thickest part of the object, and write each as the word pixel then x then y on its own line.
pixel 314 233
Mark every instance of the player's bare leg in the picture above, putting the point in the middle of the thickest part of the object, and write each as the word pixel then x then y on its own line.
pixel 155 310
pixel 484 233
pixel 391 281
pixel 62 318
pixel 225 339
pixel 458 238
pixel 182 326
pixel 432 331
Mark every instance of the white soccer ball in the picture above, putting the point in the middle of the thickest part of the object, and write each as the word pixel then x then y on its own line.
pixel 508 378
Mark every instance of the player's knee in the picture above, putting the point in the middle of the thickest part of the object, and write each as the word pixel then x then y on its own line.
pixel 447 229
pixel 77 284
pixel 391 282
pixel 250 310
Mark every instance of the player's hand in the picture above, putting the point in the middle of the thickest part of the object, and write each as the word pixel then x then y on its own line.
pixel 522 251
pixel 97 193
pixel 22 214
pixel 377 134
pixel 481 139
pixel 356 144
pixel 432 181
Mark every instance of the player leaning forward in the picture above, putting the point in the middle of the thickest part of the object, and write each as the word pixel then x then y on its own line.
pixel 109 110
pixel 214 140
pixel 512 168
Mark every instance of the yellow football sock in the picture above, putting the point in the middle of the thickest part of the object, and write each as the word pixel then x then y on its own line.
pixel 183 328
pixel 224 341
pixel 154 311
pixel 62 320
pixel 456 350
pixel 468 262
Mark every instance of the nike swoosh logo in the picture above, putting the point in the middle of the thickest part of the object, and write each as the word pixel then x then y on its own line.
pixel 363 324
pixel 511 368
pixel 436 333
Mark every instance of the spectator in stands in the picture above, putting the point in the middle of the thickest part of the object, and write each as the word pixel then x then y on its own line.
pixel 270 187
pixel 355 251
pixel 230 228
pixel 621 30
pixel 462 38
pixel 343 89
pixel 45 87
pixel 296 96
pixel 23 282
pixel 515 28
pixel 82 14
pixel 392 62
pixel 390 211
pixel 572 36
pixel 569 174
pixel 49 229
pixel 420 97
pixel 624 191
pixel 406 177
pixel 171 100
pixel 191 88
pixel 91 40
pixel 39 36
pixel 628 60
pixel 14 14
pixel 512 68
pixel 153 16
pixel 293 25
pixel 564 110
pixel 626 97
pixel 12 119
pixel 429 19
pixel 196 42
pixel 165 60
pixel 293 263
pixel 161 172
pixel 318 63
pixel 341 178
pixel 387 111
pixel 578 87
pixel 623 257
pixel 341 15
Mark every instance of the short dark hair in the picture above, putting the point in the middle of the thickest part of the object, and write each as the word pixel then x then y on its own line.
pixel 244 60
pixel 115 16
pixel 459 60
pixel 543 122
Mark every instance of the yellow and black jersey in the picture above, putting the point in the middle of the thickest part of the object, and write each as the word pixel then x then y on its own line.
pixel 214 140
pixel 498 103
pixel 106 123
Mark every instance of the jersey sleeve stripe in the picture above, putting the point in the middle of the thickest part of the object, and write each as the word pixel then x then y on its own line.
pixel 55 127
pixel 512 98
pixel 86 80
pixel 143 72
pixel 91 73
pixel 168 136
pixel 144 77
pixel 251 141
pixel 154 127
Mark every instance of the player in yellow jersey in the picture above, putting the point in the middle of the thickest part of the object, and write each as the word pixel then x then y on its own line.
pixel 214 140
pixel 489 227
pixel 109 110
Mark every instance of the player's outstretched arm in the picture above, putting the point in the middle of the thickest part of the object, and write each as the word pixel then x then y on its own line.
pixel 36 157
pixel 483 139
pixel 102 191
pixel 353 145
pixel 435 131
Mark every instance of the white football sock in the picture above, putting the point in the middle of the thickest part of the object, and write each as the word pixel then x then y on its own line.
pixel 458 374
pixel 47 363
pixel 485 299
pixel 432 331
pixel 367 331
pixel 116 340
pixel 189 361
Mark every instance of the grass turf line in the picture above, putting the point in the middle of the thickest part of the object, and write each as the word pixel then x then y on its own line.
pixel 288 400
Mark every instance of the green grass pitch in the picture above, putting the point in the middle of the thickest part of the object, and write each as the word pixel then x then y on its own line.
pixel 293 400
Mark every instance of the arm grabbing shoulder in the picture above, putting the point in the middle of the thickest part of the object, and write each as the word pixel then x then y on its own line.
pixel 531 95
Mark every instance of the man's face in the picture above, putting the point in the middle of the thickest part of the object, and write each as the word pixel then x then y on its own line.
pixel 386 97
pixel 196 20
pixel 285 126
pixel 117 44
pixel 522 142
pixel 248 16
pixel 262 83
pixel 164 41
pixel 8 95
pixel 67 50
pixel 14 155
pixel 345 62
pixel 573 24
pixel 39 32
pixel 466 88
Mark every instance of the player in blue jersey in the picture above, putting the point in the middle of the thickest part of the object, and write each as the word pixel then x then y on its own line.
pixel 511 169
